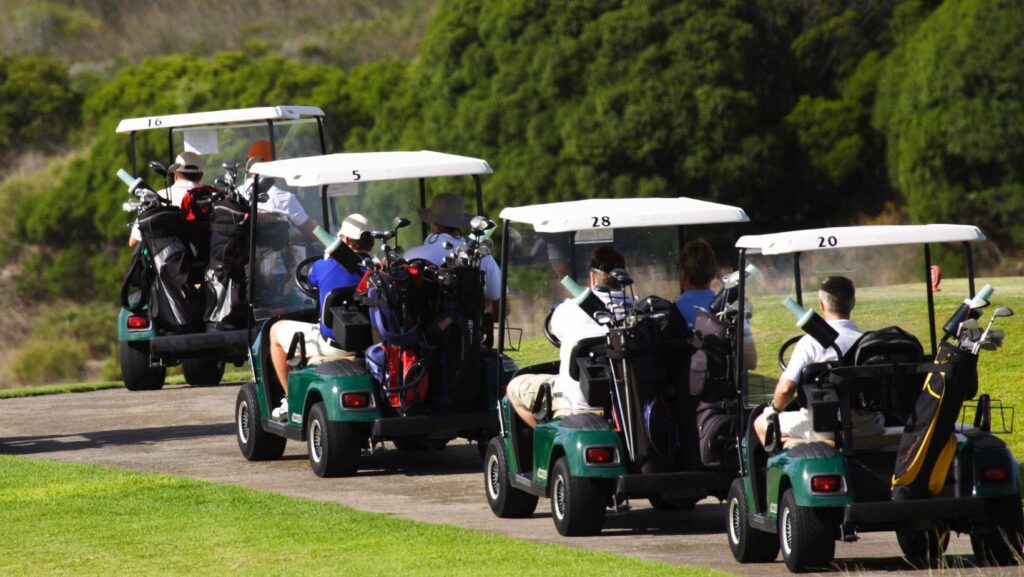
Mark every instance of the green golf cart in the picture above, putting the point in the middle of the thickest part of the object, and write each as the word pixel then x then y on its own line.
pixel 937 466
pixel 641 438
pixel 222 138
pixel 346 404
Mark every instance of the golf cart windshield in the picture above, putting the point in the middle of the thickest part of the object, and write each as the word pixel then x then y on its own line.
pixel 893 288
pixel 541 252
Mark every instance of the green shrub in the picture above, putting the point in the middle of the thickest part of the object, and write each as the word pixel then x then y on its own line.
pixel 93 325
pixel 38 107
pixel 47 361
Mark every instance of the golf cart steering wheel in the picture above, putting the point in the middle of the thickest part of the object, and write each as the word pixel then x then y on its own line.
pixel 785 347
pixel 302 277
pixel 547 331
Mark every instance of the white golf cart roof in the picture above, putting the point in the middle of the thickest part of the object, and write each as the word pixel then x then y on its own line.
pixel 857 236
pixel 598 213
pixel 369 167
pixel 258 114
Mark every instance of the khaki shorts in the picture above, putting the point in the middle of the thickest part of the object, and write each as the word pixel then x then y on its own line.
pixel 316 344
pixel 522 391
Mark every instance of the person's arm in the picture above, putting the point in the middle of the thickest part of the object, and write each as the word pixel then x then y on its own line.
pixel 307 229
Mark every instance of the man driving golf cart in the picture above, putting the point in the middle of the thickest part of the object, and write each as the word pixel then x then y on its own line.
pixel 570 324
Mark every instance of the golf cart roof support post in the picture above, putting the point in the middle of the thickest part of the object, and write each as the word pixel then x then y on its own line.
pixel 131 152
pixel 320 134
pixel 796 278
pixel 423 204
pixel 273 139
pixel 253 239
pixel 969 254
pixel 742 387
pixel 572 256
pixel 325 217
pixel 502 321
pixel 170 150
pixel 930 296
pixel 479 194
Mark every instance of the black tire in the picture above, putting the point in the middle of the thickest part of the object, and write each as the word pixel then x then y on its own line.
pixel 255 443
pixel 924 548
pixel 202 372
pixel 135 369
pixel 578 504
pixel 1001 543
pixel 807 535
pixel 505 500
pixel 663 504
pixel 333 447
pixel 748 545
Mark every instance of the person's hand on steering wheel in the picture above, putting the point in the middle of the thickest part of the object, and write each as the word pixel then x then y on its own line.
pixel 302 277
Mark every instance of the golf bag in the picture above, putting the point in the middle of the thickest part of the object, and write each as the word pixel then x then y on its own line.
pixel 197 212
pixel 161 269
pixel 710 366
pixel 225 275
pixel 928 444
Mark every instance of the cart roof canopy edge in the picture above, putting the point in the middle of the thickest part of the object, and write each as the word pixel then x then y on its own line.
pixel 858 236
pixel 370 167
pixel 257 114
pixel 622 213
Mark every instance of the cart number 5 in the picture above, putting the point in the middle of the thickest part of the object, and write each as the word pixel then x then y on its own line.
pixel 824 241
pixel 600 221
pixel 356 174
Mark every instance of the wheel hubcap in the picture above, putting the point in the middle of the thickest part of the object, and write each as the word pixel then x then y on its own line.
pixel 243 421
pixel 787 531
pixel 734 518
pixel 493 480
pixel 558 494
pixel 315 441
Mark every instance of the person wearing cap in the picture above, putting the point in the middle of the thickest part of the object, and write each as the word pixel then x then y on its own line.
pixel 278 201
pixel 326 275
pixel 570 324
pixel 447 218
pixel 188 174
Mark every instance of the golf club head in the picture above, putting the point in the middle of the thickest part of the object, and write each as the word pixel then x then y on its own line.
pixel 603 318
pixel 382 234
pixel 621 276
pixel 989 345
pixel 481 224
pixel 1002 312
pixel 602 289
pixel 997 334
pixel 969 325
pixel 400 222
pixel 158 168
pixel 447 245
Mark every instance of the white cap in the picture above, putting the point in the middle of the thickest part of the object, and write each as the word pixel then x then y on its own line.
pixel 188 162
pixel 355 225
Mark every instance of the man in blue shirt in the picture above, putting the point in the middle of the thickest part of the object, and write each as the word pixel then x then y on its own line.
pixel 326 275
pixel 697 268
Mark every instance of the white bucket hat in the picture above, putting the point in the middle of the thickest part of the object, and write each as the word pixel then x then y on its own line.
pixel 354 226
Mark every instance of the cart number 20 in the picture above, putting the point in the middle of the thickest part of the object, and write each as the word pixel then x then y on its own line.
pixel 600 221
pixel 824 241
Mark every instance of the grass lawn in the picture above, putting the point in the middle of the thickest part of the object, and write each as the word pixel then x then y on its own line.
pixel 230 375
pixel 72 519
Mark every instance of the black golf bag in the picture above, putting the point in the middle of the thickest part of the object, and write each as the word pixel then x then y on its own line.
pixel 710 367
pixel 225 275
pixel 197 212
pixel 161 270
pixel 928 444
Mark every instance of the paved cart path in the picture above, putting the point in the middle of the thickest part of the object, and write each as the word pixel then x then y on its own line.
pixel 189 431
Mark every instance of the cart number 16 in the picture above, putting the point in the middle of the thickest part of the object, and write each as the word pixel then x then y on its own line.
pixel 600 221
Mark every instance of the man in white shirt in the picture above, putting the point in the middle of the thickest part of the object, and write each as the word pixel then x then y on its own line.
pixel 188 174
pixel 446 218
pixel 836 300
pixel 571 325
pixel 278 201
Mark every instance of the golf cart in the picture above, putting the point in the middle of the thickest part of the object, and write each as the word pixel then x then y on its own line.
pixel 342 405
pixel 934 469
pixel 641 440
pixel 222 138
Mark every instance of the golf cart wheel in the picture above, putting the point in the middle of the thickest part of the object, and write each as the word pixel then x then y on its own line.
pixel 202 372
pixel 505 500
pixel 578 504
pixel 807 535
pixel 1001 543
pixel 748 545
pixel 138 375
pixel 924 548
pixel 664 504
pixel 333 447
pixel 255 443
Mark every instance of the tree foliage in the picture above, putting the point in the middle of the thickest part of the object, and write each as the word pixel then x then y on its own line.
pixel 38 107
pixel 951 103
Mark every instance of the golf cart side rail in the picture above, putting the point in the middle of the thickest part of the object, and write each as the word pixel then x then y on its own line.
pixel 284 112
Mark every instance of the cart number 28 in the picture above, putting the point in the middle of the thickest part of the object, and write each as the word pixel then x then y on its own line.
pixel 600 221
pixel 824 241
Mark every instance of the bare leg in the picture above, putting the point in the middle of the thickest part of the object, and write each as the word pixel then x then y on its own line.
pixel 761 427
pixel 525 415
pixel 279 358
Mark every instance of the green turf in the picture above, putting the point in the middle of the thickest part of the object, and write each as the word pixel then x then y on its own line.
pixel 72 519
pixel 230 376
